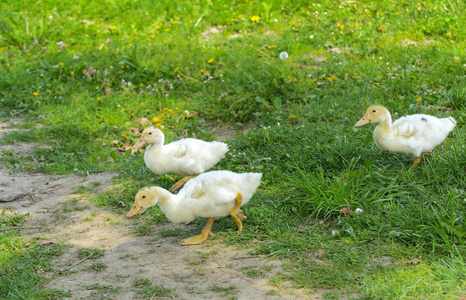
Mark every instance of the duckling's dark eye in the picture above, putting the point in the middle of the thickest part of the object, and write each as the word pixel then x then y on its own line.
pixel 374 111
pixel 150 133
pixel 143 197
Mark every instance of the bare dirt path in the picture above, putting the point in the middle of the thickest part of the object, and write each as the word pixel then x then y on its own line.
pixel 132 266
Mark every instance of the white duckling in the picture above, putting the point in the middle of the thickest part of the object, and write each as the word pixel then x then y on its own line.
pixel 414 134
pixel 209 195
pixel 188 157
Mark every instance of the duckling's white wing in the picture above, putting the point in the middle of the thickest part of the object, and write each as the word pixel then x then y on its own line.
pixel 414 126
pixel 212 185
pixel 176 149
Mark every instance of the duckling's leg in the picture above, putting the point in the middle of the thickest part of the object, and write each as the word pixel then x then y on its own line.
pixel 416 161
pixel 236 213
pixel 179 184
pixel 199 239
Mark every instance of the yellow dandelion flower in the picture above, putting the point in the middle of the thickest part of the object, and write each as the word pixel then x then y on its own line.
pixel 202 70
pixel 176 70
pixel 334 39
pixel 35 94
pixel 174 22
pixel 240 16
pixel 113 28
pixel 78 11
pixel 342 26
pixel 332 78
pixel 448 33
pixel 211 60
pixel 170 111
pixel 251 45
pixel 122 67
pixel 156 119
pixel 418 99
pixel 152 32
pixel 61 64
pixel 98 98
pixel 272 46
pixel 118 50
pixel 158 125
pixel 255 18
pixel 292 117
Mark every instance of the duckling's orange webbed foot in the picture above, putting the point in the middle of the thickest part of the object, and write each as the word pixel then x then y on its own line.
pixel 180 183
pixel 199 239
pixel 237 214
pixel 240 215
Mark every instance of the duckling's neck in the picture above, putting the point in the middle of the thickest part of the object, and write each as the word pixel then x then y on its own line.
pixel 172 206
pixel 155 146
pixel 387 121
pixel 166 198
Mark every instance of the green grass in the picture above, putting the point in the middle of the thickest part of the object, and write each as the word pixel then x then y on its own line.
pixel 144 286
pixel 195 64
pixel 21 264
pixel 91 253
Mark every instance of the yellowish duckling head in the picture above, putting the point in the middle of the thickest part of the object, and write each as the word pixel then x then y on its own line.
pixel 374 114
pixel 145 198
pixel 151 135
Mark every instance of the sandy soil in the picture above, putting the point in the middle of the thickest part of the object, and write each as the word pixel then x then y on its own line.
pixel 195 272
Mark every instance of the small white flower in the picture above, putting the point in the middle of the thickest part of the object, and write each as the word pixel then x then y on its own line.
pixel 311 36
pixel 358 210
pixel 284 55
pixel 335 232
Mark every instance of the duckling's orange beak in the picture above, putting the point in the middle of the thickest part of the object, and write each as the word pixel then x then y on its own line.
pixel 141 142
pixel 364 120
pixel 133 211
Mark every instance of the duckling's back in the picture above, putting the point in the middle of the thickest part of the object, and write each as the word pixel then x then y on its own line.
pixel 421 133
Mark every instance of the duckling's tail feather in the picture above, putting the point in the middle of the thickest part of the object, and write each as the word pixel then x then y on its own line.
pixel 452 120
